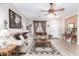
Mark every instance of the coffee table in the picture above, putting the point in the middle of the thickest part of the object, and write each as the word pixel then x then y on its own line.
pixel 42 43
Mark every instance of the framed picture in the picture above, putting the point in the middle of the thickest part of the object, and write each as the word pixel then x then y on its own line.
pixel 14 20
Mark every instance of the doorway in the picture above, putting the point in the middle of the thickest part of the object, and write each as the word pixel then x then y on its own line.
pixel 71 29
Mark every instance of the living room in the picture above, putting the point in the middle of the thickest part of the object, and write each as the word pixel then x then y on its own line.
pixel 37 28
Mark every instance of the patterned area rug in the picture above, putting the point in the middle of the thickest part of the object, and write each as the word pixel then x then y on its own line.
pixel 53 51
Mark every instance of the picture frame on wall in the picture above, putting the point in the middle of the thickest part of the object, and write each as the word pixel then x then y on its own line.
pixel 14 20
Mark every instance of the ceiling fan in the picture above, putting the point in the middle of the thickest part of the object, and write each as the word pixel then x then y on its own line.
pixel 52 9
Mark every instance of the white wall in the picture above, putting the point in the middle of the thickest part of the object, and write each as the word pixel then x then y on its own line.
pixel 30 21
pixel 55 26
pixel 4 15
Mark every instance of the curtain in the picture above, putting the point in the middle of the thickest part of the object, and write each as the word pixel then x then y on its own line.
pixel 39 29
pixel 43 25
pixel 35 25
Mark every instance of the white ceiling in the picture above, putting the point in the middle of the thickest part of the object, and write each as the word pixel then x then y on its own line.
pixel 33 9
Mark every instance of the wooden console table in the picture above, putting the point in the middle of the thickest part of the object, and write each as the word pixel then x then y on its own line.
pixel 8 50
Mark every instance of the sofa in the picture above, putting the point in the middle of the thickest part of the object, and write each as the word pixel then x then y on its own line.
pixel 24 43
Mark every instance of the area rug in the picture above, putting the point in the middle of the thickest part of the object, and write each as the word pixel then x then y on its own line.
pixel 44 51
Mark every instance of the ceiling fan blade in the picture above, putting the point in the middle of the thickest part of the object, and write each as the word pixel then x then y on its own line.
pixel 62 9
pixel 47 14
pixel 44 11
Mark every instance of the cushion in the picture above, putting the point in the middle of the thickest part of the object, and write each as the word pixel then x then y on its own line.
pixel 24 35
pixel 25 32
pixel 17 37
pixel 28 41
pixel 27 35
pixel 22 38
pixel 12 38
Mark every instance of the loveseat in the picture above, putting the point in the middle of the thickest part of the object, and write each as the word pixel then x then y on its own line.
pixel 24 43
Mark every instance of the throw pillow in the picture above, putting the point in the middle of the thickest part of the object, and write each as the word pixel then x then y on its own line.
pixel 17 37
pixel 24 35
pixel 22 38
